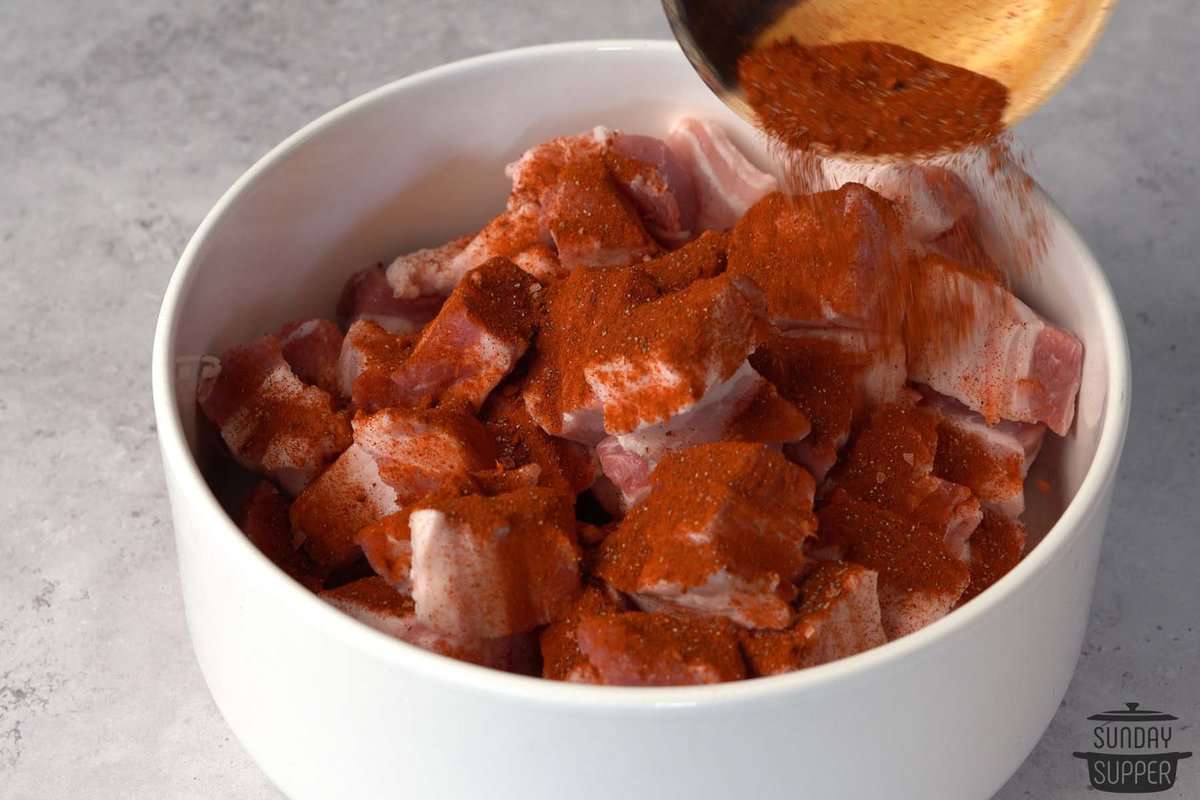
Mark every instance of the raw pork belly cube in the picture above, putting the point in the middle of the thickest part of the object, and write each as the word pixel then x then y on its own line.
pixel 370 354
pixel 540 168
pixel 704 257
pixel 990 460
pixel 563 465
pixel 838 617
pixel 273 422
pixel 398 457
pixel 831 374
pixel 582 311
pixel 831 258
pixel 590 221
pixel 996 547
pixel 721 533
pixel 657 183
pixel 264 520
pixel 933 199
pixel 516 235
pixel 429 273
pixel 637 649
pixel 919 579
pixel 1010 364
pixel 486 567
pixel 387 544
pixel 369 296
pixel 312 348
pixel 890 464
pixel 726 183
pixel 670 352
pixel 373 602
pixel 477 338
pixel 560 649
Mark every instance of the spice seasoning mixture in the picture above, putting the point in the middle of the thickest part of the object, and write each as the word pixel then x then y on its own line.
pixel 658 423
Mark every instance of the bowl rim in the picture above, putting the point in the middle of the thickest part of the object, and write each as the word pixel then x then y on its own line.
pixel 185 474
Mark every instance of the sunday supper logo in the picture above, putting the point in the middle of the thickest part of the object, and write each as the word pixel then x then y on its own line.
pixel 1132 751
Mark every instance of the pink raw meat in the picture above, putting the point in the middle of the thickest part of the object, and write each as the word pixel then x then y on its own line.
pixel 726 183
pixel 932 198
pixel 658 184
pixel 369 296
pixel 273 423
pixel 370 354
pixel 312 348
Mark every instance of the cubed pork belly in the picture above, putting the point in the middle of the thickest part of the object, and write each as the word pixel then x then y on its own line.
pixel 368 295
pixel 971 339
pixel 477 338
pixel 486 567
pixel 582 311
pixel 517 235
pixel 563 465
pixel 560 649
pixel 890 464
pixel 639 649
pixel 726 183
pixel 721 533
pixel 932 199
pixel 838 616
pixel 370 355
pixel 312 348
pixel 990 460
pixel 704 257
pixel 429 272
pixel 540 168
pixel 831 258
pixel 273 423
pixel 833 375
pixel 920 580
pixel 264 520
pixel 373 602
pixel 387 544
pixel 996 547
pixel 658 184
pixel 398 456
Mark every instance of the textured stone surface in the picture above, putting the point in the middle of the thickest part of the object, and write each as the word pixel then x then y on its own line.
pixel 119 126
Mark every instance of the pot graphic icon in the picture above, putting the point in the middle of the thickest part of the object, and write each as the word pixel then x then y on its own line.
pixel 1131 751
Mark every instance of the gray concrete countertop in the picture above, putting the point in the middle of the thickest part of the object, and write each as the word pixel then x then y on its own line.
pixel 120 126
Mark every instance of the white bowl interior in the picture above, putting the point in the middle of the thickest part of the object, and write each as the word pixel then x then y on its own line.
pixel 376 179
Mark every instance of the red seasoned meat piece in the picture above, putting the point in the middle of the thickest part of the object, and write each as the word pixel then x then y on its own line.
pixel 932 199
pixel 373 602
pixel 312 348
pixel 398 457
pixel 516 235
pixel 636 649
pixel 704 257
pixel 563 465
pixel 477 338
pixel 658 183
pixel 431 272
pixel 920 580
pixel 890 464
pixel 387 544
pixel 990 460
pixel 831 258
pixel 273 423
pixel 560 649
pixel 996 547
pixel 838 617
pixel 370 354
pixel 1008 363
pixel 582 311
pixel 264 520
pixel 368 295
pixel 726 183
pixel 485 567
pixel 540 168
pixel 721 533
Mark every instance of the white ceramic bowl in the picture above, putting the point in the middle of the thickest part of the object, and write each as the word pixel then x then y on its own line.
pixel 332 709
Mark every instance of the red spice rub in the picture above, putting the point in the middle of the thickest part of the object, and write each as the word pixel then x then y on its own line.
pixel 370 355
pixel 704 257
pixel 722 533
pixel 264 520
pixel 560 650
pixel 997 546
pixel 869 98
pixel 638 649
pixel 311 348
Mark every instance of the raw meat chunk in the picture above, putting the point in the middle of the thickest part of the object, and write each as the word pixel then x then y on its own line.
pixel 387 544
pixel 996 547
pixel 990 460
pixel 398 456
pixel 369 357
pixel 373 602
pixel 890 464
pixel 636 649
pixel 838 617
pixel 476 339
pixel 919 579
pixel 516 235
pixel 311 348
pixel 273 423
pixel 560 649
pixel 485 567
pixel 726 183
pixel 703 258
pixel 540 168
pixel 563 465
pixel 721 533
pixel 368 296
pixel 932 199
pixel 264 520
pixel 831 258
pixel 659 185
pixel 1009 364
pixel 432 272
